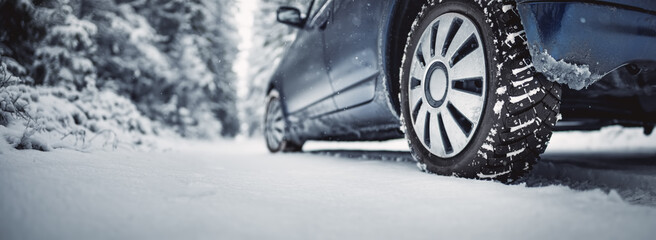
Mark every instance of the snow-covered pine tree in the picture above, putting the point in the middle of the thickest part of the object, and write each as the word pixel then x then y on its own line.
pixel 22 27
pixel 211 28
pixel 63 56
pixel 174 59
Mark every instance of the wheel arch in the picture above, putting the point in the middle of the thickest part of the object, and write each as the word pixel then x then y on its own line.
pixel 403 15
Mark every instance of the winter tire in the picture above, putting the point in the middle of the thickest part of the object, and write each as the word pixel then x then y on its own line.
pixel 472 105
pixel 275 127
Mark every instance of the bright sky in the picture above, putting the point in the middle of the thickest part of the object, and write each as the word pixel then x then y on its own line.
pixel 244 19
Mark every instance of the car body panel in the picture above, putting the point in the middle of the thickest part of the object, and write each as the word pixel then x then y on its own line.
pixel 637 5
pixel 349 96
pixel 305 85
pixel 356 95
pixel 602 35
pixel 352 51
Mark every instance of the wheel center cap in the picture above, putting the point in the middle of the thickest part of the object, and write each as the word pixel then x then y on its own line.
pixel 436 85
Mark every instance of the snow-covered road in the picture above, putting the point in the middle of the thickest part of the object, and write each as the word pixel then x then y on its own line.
pixel 236 190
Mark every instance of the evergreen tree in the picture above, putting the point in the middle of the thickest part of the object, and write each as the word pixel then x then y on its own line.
pixel 63 56
pixel 172 58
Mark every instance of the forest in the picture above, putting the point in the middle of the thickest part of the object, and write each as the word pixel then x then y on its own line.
pixel 82 69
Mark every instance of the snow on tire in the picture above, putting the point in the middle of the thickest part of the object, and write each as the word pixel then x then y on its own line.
pixel 472 105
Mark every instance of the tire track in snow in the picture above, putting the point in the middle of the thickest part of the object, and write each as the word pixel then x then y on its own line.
pixel 631 175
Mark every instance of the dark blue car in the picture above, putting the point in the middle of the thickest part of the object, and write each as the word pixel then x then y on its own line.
pixel 476 87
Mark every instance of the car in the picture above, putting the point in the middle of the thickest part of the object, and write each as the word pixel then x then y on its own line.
pixel 476 87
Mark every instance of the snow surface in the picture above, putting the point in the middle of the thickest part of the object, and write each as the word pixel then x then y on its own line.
pixel 237 190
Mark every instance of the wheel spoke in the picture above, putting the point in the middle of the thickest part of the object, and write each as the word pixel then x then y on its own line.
pixel 446 141
pixel 277 116
pixel 436 136
pixel 456 137
pixel 426 45
pixel 470 45
pixel 420 56
pixel 277 136
pixel 433 37
pixel 270 134
pixel 272 141
pixel 471 66
pixel 415 110
pixel 427 121
pixel 465 30
pixel 442 31
pixel 453 30
pixel 415 95
pixel 417 70
pixel 469 85
pixel 275 107
pixel 278 125
pixel 469 105
pixel 420 123
pixel 463 122
pixel 414 83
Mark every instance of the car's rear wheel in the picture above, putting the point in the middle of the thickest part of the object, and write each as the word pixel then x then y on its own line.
pixel 471 103
pixel 275 126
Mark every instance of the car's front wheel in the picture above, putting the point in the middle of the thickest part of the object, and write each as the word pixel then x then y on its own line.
pixel 471 103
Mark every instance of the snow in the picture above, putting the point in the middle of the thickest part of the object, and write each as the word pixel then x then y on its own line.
pixel 506 8
pixel 501 90
pixel 498 106
pixel 516 99
pixel 522 125
pixel 237 190
pixel 613 159
pixel 609 139
pixel 521 69
pixel 23 139
pixel 575 76
pixel 47 118
pixel 515 153
pixel 93 166
pixel 510 39
pixel 487 147
pixel 521 82
pixel 481 175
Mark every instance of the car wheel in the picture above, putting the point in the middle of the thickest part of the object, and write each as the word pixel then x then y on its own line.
pixel 275 126
pixel 472 105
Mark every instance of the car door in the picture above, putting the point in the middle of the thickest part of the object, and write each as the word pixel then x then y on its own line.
pixel 352 50
pixel 306 86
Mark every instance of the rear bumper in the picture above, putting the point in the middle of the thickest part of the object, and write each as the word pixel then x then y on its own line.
pixel 602 35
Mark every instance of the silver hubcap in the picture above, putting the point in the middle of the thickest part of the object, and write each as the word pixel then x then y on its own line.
pixel 274 124
pixel 447 86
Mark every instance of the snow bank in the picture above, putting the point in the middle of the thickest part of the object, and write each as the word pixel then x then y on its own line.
pixel 44 118
pixel 575 76
pixel 609 139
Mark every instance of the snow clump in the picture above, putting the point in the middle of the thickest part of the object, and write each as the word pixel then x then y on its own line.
pixel 575 76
